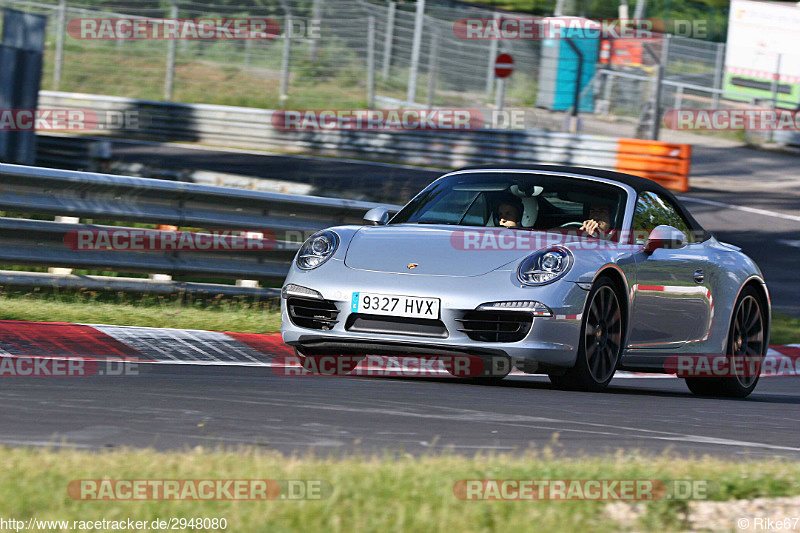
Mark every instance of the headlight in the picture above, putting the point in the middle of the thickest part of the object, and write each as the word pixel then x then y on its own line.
pixel 545 266
pixel 318 249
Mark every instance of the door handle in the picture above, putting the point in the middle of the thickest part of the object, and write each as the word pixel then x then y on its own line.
pixel 699 276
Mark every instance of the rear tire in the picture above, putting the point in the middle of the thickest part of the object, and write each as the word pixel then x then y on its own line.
pixel 601 341
pixel 746 338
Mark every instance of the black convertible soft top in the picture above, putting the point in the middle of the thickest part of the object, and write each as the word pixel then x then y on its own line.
pixel 637 183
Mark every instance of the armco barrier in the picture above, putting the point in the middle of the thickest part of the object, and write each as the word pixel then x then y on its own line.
pixel 252 128
pixel 83 195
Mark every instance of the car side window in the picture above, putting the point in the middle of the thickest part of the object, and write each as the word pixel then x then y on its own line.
pixel 652 209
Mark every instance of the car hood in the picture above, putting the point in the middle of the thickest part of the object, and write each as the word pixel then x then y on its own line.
pixel 437 250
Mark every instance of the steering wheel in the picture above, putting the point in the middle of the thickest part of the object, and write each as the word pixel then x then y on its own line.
pixel 571 225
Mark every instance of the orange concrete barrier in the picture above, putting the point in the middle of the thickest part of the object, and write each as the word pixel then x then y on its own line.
pixel 665 163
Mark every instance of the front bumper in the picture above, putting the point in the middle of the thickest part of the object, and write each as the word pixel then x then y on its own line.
pixel 551 341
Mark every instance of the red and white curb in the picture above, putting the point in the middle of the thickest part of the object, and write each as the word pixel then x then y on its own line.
pixel 199 347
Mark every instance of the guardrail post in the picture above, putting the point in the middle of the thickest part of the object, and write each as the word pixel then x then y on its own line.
pixel 169 78
pixel 163 277
pixel 387 43
pixel 60 271
pixel 58 63
pixel 285 58
pixel 416 48
pixel 250 235
pixel 371 63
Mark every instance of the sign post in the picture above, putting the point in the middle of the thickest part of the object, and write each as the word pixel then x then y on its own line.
pixel 503 67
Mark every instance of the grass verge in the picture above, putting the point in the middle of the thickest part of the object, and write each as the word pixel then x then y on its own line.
pixel 785 329
pixel 214 314
pixel 388 493
pixel 217 314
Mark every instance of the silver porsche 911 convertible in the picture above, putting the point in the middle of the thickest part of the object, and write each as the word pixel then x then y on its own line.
pixel 565 271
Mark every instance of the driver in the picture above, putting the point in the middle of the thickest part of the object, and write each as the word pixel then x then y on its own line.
pixel 509 214
pixel 599 222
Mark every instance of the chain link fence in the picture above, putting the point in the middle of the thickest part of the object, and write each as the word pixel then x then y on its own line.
pixel 343 54
pixel 329 69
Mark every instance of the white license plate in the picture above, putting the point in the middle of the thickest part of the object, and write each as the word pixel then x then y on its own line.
pixel 394 305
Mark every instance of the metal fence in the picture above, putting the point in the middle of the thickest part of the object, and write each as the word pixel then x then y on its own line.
pixel 367 53
pixel 690 66
pixel 82 201
pixel 626 94
pixel 300 69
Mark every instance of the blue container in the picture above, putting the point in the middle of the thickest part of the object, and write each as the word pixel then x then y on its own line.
pixel 558 69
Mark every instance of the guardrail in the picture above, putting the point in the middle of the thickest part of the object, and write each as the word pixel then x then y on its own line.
pixel 119 199
pixel 252 128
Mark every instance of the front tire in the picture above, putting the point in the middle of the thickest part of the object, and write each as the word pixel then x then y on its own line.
pixel 601 342
pixel 746 339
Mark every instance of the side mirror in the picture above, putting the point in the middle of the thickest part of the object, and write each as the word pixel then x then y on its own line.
pixel 665 237
pixel 377 216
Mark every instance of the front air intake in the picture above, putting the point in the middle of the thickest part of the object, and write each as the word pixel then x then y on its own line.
pixel 312 314
pixel 494 326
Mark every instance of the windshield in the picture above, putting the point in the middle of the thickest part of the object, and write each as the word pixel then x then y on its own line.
pixel 526 201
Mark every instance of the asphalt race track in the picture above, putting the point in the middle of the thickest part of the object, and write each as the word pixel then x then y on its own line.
pixel 174 407
pixel 177 406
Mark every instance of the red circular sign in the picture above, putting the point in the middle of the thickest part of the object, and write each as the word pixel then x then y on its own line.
pixel 503 65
